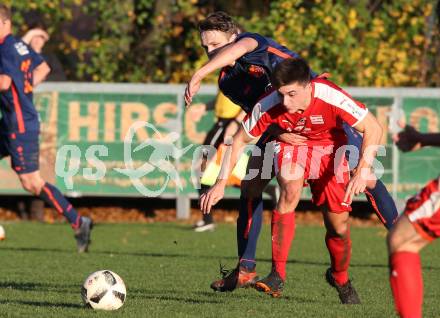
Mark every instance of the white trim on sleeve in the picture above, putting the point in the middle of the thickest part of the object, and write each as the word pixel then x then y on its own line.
pixel 362 118
pixel 337 98
pixel 247 132
pixel 263 105
pixel 427 209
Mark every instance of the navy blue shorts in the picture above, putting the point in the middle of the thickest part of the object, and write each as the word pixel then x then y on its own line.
pixel 24 150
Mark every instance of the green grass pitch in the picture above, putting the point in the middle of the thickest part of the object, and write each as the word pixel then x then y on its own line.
pixel 168 268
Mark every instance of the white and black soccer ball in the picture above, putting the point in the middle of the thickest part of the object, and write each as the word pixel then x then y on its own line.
pixel 2 233
pixel 104 290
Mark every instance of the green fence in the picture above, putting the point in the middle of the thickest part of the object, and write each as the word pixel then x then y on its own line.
pixel 82 120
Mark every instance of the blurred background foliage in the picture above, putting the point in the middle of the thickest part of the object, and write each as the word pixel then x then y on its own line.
pixel 361 42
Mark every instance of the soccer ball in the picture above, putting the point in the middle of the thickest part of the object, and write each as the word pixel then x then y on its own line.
pixel 104 290
pixel 2 233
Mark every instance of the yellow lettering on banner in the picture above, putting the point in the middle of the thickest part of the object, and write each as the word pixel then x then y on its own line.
pixel 192 116
pixel 90 121
pixel 424 113
pixel 162 110
pixel 382 117
pixel 109 124
pixel 141 112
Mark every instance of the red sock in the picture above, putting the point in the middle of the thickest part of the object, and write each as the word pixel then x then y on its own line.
pixel 340 254
pixel 283 231
pixel 407 283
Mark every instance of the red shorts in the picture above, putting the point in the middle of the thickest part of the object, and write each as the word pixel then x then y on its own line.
pixel 423 210
pixel 326 172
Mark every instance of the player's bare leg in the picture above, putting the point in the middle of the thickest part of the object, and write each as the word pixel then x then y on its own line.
pixel 34 183
pixel 404 245
pixel 404 237
pixel 338 244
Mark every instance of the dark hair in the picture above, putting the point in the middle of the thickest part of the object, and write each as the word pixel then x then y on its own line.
pixel 5 13
pixel 219 21
pixel 291 70
pixel 37 25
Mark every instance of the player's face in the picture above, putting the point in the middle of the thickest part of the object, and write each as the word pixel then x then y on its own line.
pixel 37 43
pixel 296 97
pixel 213 40
pixel 5 27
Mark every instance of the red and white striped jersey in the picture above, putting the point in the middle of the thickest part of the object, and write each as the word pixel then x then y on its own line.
pixel 321 122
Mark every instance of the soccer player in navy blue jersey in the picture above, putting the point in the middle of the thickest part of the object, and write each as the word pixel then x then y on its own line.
pixel 246 62
pixel 20 70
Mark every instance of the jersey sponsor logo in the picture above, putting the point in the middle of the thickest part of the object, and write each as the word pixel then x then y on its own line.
pixel 350 106
pixel 256 71
pixel 21 48
pixel 316 119
pixel 25 67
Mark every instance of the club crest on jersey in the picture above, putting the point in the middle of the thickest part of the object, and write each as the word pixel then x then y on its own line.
pixel 316 119
pixel 300 124
pixel 256 71
pixel 21 48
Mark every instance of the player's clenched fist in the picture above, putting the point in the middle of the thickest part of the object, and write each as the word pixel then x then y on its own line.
pixel 409 139
pixel 210 198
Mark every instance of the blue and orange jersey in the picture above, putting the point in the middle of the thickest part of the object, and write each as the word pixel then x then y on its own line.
pixel 249 79
pixel 18 61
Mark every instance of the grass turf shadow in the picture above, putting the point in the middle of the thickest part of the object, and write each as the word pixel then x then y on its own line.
pixel 30 286
pixel 43 304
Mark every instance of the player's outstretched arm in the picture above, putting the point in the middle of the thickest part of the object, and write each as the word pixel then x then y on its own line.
pixel 29 35
pixel 40 73
pixel 226 56
pixel 372 133
pixel 409 139
pixel 217 191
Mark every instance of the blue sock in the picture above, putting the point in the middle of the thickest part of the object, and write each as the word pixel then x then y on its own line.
pixel 52 196
pixel 383 204
pixel 250 219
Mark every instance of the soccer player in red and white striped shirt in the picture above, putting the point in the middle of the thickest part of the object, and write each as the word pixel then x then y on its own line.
pixel 418 226
pixel 247 61
pixel 316 109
